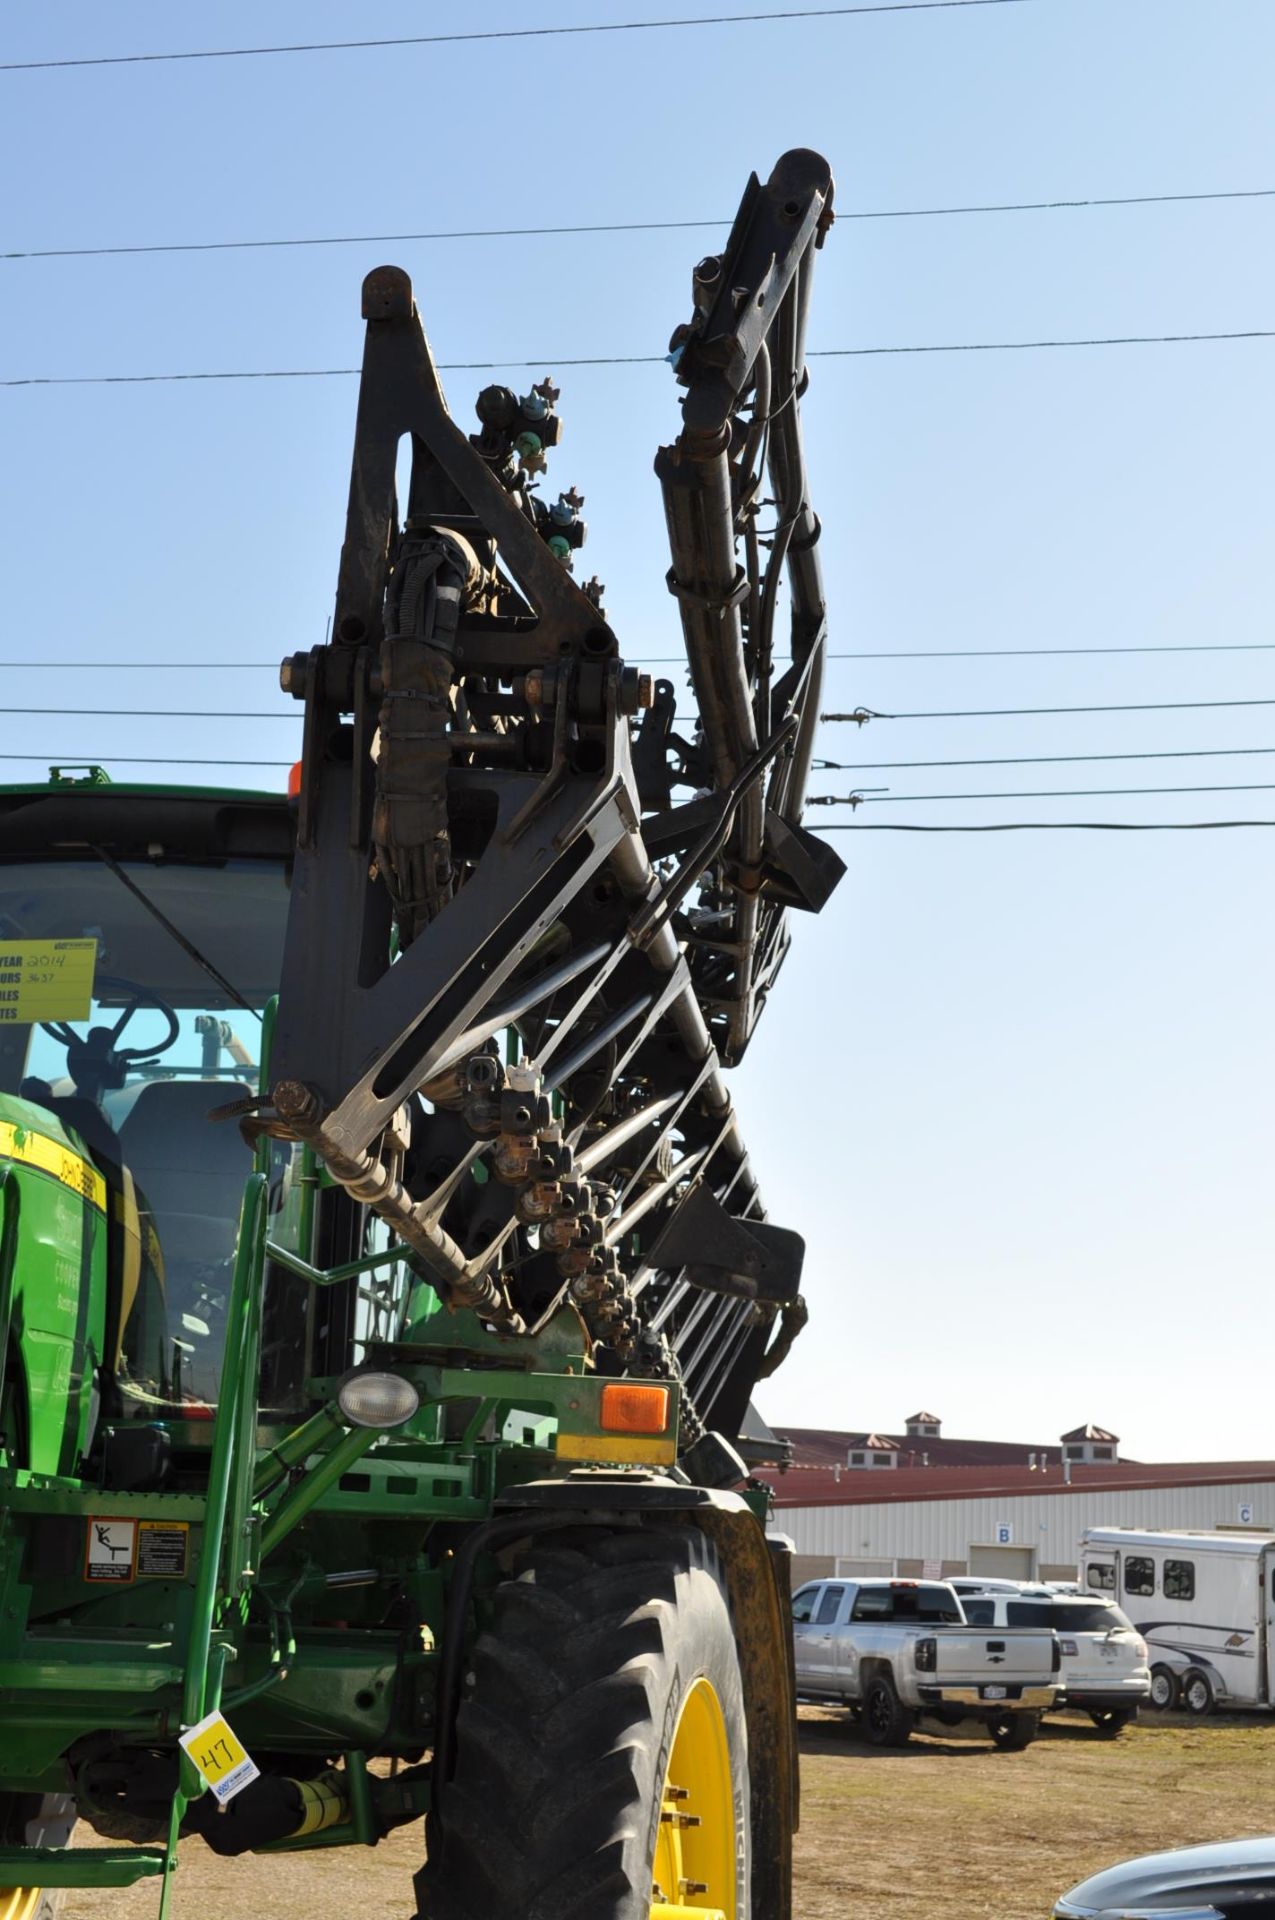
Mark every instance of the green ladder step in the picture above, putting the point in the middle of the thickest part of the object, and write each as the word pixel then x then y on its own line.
pixel 77 1866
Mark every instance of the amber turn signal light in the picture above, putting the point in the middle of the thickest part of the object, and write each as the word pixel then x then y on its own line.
pixel 627 1408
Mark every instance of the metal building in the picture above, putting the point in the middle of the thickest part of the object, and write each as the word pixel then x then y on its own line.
pixel 1018 1513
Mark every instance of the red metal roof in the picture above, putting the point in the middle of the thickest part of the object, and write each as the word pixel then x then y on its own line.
pixel 828 1446
pixel 821 1486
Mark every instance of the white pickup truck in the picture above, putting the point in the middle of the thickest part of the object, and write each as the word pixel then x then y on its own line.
pixel 894 1650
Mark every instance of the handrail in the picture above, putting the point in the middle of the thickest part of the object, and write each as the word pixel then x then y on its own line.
pixel 201 1687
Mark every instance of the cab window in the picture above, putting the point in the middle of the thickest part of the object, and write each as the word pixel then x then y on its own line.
pixel 980 1613
pixel 1139 1574
pixel 828 1606
pixel 803 1604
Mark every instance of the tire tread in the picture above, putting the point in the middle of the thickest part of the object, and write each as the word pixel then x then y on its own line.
pixel 554 1730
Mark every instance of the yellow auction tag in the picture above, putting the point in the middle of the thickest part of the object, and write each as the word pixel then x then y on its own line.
pixel 223 1762
pixel 46 980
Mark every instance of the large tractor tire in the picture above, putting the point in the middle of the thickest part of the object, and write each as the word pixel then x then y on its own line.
pixel 601 1768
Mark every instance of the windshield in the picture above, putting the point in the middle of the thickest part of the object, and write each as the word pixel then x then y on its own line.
pixel 131 1007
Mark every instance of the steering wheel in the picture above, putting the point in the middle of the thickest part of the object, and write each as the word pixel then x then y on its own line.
pixel 96 1063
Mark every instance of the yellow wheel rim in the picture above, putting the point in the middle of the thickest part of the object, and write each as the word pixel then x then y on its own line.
pixel 694 1875
pixel 19 1903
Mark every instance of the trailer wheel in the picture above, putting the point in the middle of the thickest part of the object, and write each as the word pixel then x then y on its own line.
pixel 601 1754
pixel 886 1721
pixel 1164 1689
pixel 1198 1696
pixel 1014 1731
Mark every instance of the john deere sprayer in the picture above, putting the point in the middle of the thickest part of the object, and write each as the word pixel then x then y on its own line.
pixel 383 1275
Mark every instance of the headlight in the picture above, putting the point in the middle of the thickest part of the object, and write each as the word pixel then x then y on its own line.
pixel 368 1399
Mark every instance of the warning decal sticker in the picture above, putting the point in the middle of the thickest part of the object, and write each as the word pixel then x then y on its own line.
pixel 46 980
pixel 162 1549
pixel 110 1550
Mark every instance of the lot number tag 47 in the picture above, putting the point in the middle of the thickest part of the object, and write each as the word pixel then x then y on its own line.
pixel 223 1762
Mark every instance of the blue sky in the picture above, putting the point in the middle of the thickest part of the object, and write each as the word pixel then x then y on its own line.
pixel 1014 1088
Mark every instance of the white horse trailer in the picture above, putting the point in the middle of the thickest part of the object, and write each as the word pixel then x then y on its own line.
pixel 1204 1604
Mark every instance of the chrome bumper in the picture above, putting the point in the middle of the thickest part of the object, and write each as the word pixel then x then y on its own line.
pixel 1027 1697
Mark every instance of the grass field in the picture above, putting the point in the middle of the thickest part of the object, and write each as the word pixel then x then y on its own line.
pixel 945 1828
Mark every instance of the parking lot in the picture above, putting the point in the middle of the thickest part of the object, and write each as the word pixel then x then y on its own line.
pixel 944 1826
pixel 947 1826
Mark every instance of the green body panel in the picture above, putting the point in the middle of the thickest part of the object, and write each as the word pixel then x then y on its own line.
pixel 318 1556
pixel 53 1252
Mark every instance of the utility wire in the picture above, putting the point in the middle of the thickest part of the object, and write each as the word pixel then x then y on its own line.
pixel 151 760
pixel 1045 826
pixel 862 715
pixel 821 766
pixel 620 226
pixel 150 713
pixel 1028 653
pixel 1061 793
pixel 504 33
pixel 1032 760
pixel 678 659
pixel 633 359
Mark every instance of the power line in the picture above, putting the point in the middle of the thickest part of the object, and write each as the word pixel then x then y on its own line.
pixel 1031 760
pixel 674 660
pixel 148 713
pixel 635 359
pixel 504 33
pixel 1028 653
pixel 1045 826
pixel 620 226
pixel 1059 793
pixel 822 766
pixel 144 760
pixel 862 715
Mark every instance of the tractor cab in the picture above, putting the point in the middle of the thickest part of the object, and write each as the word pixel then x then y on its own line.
pixel 141 932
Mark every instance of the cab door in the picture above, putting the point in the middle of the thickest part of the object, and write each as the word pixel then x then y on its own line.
pixel 804 1602
pixel 823 1637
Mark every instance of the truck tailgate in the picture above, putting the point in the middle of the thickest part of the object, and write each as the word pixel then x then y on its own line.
pixel 1009 1654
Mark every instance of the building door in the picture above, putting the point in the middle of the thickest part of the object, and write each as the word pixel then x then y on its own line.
pixel 1003 1563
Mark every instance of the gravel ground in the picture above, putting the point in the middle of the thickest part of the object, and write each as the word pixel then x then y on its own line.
pixel 944 1826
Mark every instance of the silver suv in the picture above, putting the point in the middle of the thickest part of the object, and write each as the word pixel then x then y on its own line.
pixel 1104 1657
